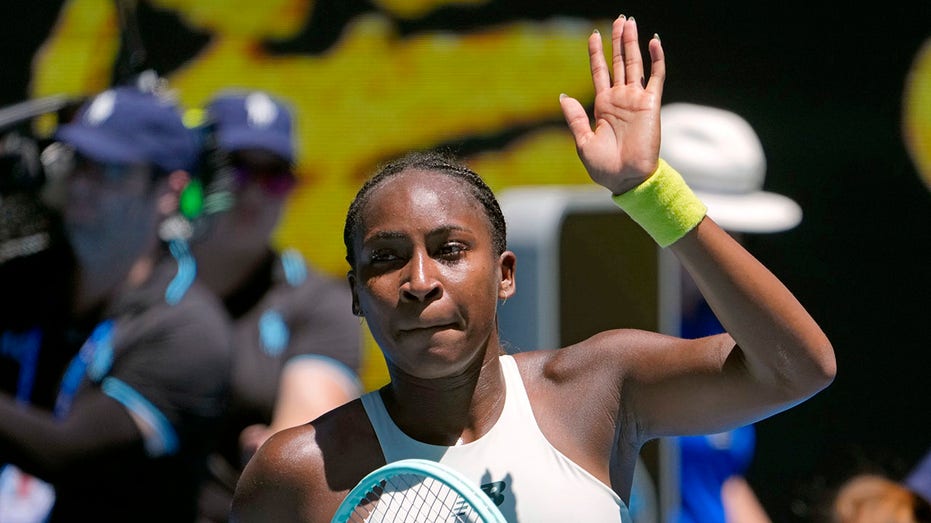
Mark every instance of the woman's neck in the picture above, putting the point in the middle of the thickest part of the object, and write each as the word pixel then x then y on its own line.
pixel 444 410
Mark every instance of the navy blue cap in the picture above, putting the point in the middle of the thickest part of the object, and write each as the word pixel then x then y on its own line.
pixel 252 120
pixel 125 125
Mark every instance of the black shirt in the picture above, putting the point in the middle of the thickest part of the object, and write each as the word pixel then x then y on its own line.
pixel 164 374
pixel 285 310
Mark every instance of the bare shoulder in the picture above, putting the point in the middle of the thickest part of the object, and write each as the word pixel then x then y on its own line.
pixel 303 473
pixel 279 480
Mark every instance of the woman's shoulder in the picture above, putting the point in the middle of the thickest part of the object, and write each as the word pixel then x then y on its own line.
pixel 314 463
pixel 279 477
pixel 291 454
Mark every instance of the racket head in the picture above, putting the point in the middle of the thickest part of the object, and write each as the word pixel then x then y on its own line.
pixel 416 490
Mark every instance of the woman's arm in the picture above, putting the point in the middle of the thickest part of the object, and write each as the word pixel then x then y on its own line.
pixel 774 356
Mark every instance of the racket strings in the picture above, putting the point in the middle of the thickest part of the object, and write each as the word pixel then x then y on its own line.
pixel 413 498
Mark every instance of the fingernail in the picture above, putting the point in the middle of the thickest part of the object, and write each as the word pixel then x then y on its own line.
pixel 621 17
pixel 562 95
pixel 596 31
pixel 632 20
pixel 656 35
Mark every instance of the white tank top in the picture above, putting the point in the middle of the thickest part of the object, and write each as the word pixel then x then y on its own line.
pixel 516 466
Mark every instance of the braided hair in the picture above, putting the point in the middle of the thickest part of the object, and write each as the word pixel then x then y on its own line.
pixel 435 162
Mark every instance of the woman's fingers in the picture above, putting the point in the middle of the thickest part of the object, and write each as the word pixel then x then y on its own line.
pixel 633 62
pixel 626 60
pixel 576 118
pixel 617 50
pixel 601 77
pixel 657 67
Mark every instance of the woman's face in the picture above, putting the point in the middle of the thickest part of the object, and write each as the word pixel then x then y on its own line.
pixel 426 278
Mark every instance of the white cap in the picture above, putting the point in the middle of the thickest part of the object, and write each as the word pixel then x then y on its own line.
pixel 721 159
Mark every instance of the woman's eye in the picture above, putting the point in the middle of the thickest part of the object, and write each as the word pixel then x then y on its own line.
pixel 451 250
pixel 382 256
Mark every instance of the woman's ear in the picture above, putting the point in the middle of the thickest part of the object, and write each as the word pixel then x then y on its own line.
pixel 356 308
pixel 507 286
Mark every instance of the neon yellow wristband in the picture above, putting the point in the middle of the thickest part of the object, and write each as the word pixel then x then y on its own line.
pixel 663 205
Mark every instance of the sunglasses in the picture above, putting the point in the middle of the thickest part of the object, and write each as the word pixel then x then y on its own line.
pixel 275 179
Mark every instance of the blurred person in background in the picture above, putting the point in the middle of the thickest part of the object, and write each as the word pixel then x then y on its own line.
pixel 874 498
pixel 123 433
pixel 297 343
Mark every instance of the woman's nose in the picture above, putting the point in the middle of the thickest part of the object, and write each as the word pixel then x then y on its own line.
pixel 421 283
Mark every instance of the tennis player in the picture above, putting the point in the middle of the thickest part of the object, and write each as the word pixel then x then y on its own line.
pixel 550 434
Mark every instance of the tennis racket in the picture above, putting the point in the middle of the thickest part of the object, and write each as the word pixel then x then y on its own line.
pixel 416 490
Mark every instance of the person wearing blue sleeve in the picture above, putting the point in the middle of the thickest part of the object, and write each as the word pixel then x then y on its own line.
pixel 297 346
pixel 135 412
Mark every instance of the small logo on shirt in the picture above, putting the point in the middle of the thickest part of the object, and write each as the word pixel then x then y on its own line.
pixel 495 491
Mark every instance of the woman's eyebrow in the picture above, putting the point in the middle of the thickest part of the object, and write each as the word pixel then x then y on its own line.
pixel 446 229
pixel 385 235
pixel 397 235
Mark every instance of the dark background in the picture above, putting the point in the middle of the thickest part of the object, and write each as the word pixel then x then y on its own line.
pixel 822 85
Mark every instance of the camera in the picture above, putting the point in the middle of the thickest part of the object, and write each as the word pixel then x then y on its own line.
pixel 36 266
